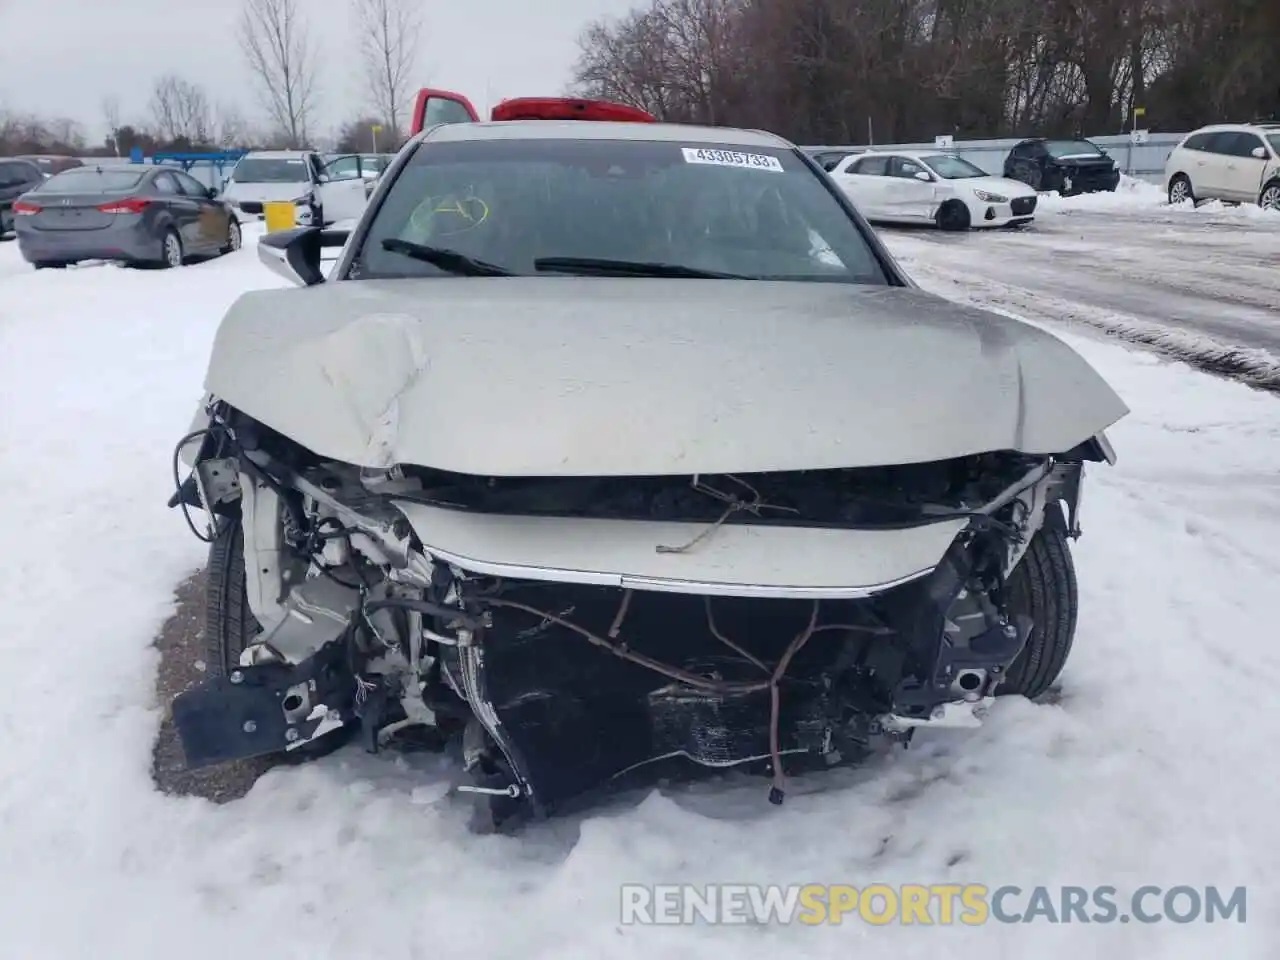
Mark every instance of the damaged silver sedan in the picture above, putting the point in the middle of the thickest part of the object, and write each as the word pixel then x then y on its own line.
pixel 607 447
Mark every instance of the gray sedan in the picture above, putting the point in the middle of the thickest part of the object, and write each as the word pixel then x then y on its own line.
pixel 145 216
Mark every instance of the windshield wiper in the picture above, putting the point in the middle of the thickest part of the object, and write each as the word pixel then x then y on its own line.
pixel 449 261
pixel 592 266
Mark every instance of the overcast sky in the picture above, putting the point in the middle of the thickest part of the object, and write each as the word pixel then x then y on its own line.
pixel 63 57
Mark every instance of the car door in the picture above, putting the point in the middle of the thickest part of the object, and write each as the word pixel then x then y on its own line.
pixel 10 189
pixel 1023 163
pixel 343 192
pixel 185 212
pixel 1208 171
pixel 213 218
pixel 862 180
pixel 1242 177
pixel 907 196
pixel 10 182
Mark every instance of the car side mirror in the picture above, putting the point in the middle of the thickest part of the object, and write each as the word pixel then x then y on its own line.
pixel 924 177
pixel 323 178
pixel 295 254
pixel 1260 153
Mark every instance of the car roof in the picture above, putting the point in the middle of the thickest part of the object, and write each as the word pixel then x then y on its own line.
pixel 1235 127
pixel 601 130
pixel 278 154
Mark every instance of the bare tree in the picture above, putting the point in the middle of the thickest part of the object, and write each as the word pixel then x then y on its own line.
pixel 230 126
pixel 180 110
pixel 279 53
pixel 389 31
pixel 111 116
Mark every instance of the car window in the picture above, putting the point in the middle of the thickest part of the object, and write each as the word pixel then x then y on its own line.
pixel 344 168
pixel 1062 149
pixel 441 110
pixel 1274 140
pixel 91 180
pixel 271 170
pixel 950 167
pixel 904 168
pixel 1243 144
pixel 871 167
pixel 165 183
pixel 16 173
pixel 1219 143
pixel 190 185
pixel 757 212
pixel 1197 141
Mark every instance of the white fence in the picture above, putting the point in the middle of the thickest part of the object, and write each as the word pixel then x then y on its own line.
pixel 1142 160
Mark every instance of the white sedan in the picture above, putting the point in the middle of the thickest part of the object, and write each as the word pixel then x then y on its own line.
pixel 936 188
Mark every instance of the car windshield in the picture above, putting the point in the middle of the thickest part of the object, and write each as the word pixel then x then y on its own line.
pixel 90 180
pixel 1071 148
pixel 755 212
pixel 953 168
pixel 270 170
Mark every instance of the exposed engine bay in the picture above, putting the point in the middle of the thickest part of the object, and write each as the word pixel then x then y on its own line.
pixel 559 685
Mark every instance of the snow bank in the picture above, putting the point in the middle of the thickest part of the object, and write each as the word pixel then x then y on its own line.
pixel 1156 765
pixel 1141 196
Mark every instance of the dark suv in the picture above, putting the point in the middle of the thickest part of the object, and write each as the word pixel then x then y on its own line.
pixel 16 178
pixel 1068 166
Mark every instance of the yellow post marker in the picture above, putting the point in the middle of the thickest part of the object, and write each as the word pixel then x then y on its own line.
pixel 280 215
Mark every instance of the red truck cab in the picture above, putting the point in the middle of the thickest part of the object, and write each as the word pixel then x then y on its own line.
pixel 433 107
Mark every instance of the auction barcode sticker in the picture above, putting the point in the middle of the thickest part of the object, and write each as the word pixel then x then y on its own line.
pixel 731 158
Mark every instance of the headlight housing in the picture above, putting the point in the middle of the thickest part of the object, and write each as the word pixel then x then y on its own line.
pixel 990 197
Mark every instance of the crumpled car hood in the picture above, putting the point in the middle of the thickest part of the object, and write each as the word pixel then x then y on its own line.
pixel 561 376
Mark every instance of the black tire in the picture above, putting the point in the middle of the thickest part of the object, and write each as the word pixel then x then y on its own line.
pixel 953 215
pixel 49 265
pixel 1043 587
pixel 167 261
pixel 230 626
pixel 234 238
pixel 1180 189
pixel 1269 196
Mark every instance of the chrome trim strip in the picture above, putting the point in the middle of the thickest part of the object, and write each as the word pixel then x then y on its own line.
pixel 665 585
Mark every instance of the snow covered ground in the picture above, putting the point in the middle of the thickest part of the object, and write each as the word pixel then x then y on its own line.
pixel 1156 765
pixel 1197 283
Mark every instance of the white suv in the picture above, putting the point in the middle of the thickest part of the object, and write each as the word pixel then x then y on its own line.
pixel 1237 162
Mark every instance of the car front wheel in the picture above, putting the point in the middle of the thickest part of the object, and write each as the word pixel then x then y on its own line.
pixel 1043 587
pixel 953 215
pixel 230 625
pixel 234 238
pixel 1269 199
pixel 1180 190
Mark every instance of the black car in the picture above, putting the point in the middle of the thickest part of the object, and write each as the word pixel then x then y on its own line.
pixel 1066 166
pixel 830 159
pixel 16 178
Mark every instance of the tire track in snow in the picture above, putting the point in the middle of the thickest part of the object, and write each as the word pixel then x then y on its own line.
pixel 1202 290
